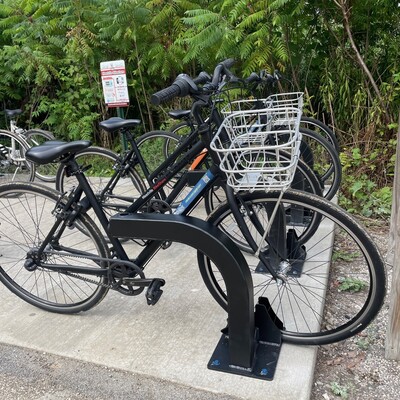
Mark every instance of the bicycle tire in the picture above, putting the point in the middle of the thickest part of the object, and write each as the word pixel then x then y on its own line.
pixel 256 219
pixel 27 216
pixel 322 158
pixel 155 147
pixel 103 163
pixel 35 137
pixel 319 127
pixel 13 165
pixel 181 128
pixel 329 300
pixel 157 152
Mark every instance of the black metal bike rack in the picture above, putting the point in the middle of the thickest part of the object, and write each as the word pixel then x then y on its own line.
pixel 250 344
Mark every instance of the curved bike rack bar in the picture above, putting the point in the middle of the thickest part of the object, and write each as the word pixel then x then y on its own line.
pixel 242 342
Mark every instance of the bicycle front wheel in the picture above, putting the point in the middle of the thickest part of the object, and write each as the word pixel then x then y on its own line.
pixel 322 129
pixel 328 287
pixel 36 137
pixel 13 165
pixel 27 214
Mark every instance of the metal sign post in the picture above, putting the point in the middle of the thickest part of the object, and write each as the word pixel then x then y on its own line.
pixel 115 87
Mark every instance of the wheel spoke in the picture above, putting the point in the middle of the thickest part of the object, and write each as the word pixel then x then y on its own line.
pixel 328 288
pixel 27 220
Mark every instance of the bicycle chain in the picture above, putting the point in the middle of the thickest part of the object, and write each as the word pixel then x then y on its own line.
pixel 111 261
pixel 83 278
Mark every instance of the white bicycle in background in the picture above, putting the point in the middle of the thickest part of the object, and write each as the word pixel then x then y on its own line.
pixel 13 145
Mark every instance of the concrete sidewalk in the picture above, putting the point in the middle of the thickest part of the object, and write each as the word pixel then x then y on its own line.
pixel 171 341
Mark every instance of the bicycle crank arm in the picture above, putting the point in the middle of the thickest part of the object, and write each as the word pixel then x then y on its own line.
pixel 154 285
pixel 141 282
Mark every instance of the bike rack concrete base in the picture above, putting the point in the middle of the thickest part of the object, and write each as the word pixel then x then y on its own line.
pixel 245 349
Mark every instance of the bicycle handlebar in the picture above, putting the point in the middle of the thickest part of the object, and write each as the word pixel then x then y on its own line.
pixel 222 68
pixel 252 78
pixel 182 86
pixel 185 85
pixel 202 78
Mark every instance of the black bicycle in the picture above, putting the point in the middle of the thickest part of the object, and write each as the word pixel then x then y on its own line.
pixel 319 147
pixel 119 179
pixel 319 291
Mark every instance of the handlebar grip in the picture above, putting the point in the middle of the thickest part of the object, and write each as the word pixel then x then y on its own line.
pixel 277 75
pixel 222 68
pixel 252 78
pixel 182 86
pixel 228 63
pixel 165 95
pixel 202 78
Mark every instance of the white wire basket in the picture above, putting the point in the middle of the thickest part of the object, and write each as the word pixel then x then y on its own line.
pixel 259 148
pixel 292 99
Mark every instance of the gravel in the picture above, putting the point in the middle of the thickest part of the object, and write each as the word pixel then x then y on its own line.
pixel 356 368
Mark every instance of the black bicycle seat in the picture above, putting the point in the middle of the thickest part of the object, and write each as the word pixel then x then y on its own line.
pixel 55 149
pixel 116 123
pixel 179 114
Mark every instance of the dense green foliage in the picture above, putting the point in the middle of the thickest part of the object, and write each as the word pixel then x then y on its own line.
pixel 51 51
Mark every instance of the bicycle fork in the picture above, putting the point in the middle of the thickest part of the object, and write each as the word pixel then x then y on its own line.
pixel 273 260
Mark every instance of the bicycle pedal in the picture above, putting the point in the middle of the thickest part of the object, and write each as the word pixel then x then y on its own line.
pixel 154 292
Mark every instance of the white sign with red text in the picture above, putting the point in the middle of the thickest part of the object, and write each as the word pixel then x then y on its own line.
pixel 115 86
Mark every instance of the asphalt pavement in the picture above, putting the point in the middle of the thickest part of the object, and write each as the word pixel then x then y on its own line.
pixel 27 374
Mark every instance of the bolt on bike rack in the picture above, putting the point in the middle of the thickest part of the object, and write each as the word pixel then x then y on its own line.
pixel 250 344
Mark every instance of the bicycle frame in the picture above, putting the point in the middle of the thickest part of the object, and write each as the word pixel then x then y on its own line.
pixel 76 202
pixel 190 151
pixel 14 153
pixel 193 147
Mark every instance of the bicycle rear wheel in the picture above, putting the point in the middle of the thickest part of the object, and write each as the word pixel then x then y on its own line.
pixel 330 285
pixel 26 212
pixel 36 137
pixel 323 159
pixel 105 166
pixel 13 165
